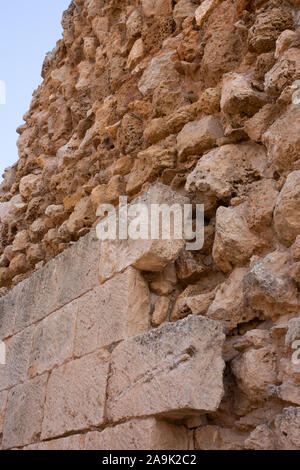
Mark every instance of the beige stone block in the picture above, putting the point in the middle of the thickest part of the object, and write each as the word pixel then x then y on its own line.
pixel 76 396
pixel 24 415
pixel 175 371
pixel 118 309
pixel 53 340
pixel 198 136
pixel 144 434
pixel 18 349
pixel 204 10
pixel 61 280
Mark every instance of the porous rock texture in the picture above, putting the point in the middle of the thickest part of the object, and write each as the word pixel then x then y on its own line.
pixel 188 100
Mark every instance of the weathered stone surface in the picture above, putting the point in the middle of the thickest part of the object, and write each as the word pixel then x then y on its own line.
pixel 144 434
pixel 3 401
pixel 148 164
pixel 282 139
pixel 262 438
pixel 160 70
pixel 178 367
pixel 287 210
pixel 18 350
pixel 76 394
pixel 63 279
pixel 287 428
pixel 204 10
pixel 53 340
pixel 117 310
pixel 156 7
pixel 228 306
pixel 267 28
pixel 198 136
pixel 76 442
pixel 268 288
pixel 234 242
pixel 147 255
pixel 284 72
pixel 218 438
pixel 24 414
pixel 217 173
pixel 255 370
pixel 161 311
pixel 238 96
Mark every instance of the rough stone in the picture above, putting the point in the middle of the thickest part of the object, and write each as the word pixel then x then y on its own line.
pixel 148 255
pixel 170 367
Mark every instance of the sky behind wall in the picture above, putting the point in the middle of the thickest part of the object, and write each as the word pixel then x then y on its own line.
pixel 28 30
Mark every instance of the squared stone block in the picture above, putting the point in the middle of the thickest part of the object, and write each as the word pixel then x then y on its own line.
pixel 53 340
pixel 18 349
pixel 144 434
pixel 24 414
pixel 76 395
pixel 63 279
pixel 146 254
pixel 114 311
pixel 175 372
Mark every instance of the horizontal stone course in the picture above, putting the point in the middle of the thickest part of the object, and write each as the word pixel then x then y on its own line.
pixel 63 279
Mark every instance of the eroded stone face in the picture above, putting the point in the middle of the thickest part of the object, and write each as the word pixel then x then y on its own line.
pixel 141 434
pixel 170 367
pixel 24 414
pixel 112 312
pixel 146 255
pixel 76 394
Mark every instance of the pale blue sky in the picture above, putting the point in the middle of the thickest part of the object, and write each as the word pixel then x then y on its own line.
pixel 28 29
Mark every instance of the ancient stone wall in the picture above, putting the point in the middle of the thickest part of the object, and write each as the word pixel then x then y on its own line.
pixel 201 97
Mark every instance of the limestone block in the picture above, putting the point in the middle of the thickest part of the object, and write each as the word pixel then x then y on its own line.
pixel 198 136
pixel 144 434
pixel 287 210
pixel 204 10
pixel 282 139
pixel 18 349
pixel 53 340
pixel 76 395
pixel 24 414
pixel 61 280
pixel 114 311
pixel 175 371
pixel 214 177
